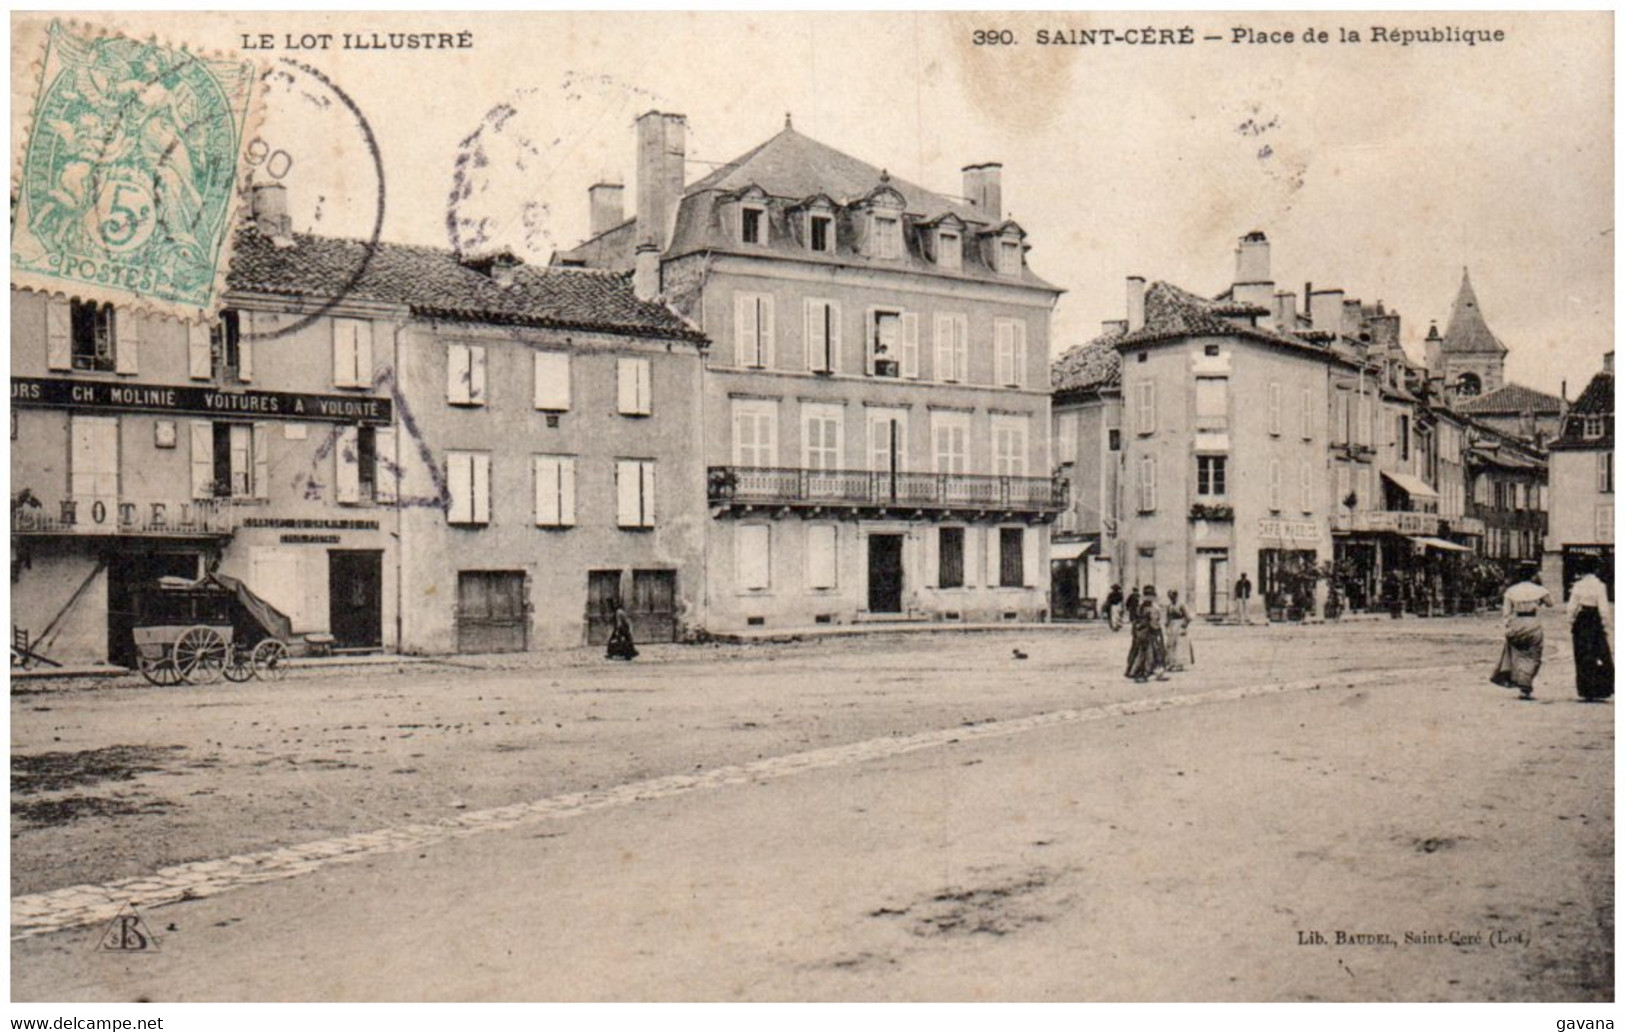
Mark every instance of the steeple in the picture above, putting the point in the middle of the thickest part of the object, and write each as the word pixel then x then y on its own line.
pixel 1467 331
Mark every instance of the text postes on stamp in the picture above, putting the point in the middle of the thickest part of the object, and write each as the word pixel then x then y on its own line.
pixel 128 184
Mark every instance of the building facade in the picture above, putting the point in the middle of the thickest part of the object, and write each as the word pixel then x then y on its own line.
pixel 876 406
pixel 1507 492
pixel 1087 416
pixel 1581 515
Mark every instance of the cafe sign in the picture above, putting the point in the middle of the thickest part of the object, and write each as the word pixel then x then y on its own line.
pixel 1289 530
pixel 114 396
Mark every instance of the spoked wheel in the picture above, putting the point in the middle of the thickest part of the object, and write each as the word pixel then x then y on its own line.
pixel 201 655
pixel 158 670
pixel 240 666
pixel 271 660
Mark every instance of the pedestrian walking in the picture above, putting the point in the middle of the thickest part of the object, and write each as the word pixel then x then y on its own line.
pixel 1244 600
pixel 1176 636
pixel 1131 605
pixel 620 637
pixel 1114 607
pixel 1147 654
pixel 1591 625
pixel 1525 641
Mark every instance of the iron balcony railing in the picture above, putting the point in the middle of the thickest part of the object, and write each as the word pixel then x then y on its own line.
pixel 761 485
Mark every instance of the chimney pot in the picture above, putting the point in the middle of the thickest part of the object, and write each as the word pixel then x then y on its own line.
pixel 269 204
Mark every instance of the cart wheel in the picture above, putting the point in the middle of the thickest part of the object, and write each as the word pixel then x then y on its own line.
pixel 271 660
pixel 240 667
pixel 200 655
pixel 159 671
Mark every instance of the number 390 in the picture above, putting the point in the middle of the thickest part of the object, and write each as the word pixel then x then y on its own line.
pixel 993 38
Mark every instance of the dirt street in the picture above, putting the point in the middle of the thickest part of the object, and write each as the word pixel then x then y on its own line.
pixel 886 817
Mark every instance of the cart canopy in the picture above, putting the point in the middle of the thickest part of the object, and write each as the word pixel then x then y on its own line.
pixel 269 617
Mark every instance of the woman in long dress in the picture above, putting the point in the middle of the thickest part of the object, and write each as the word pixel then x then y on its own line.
pixel 1177 634
pixel 620 638
pixel 1525 641
pixel 1591 624
pixel 1147 655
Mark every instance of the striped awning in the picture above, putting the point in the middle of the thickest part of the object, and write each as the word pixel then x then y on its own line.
pixel 1064 550
pixel 1441 544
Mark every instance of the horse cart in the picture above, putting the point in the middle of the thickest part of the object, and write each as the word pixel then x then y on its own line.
pixel 195 632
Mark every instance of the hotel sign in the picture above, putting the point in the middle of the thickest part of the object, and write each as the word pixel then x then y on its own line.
pixel 113 396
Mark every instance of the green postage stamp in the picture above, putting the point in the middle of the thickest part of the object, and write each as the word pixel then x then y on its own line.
pixel 128 184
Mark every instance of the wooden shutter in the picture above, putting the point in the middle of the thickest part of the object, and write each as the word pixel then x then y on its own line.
pixel 458 376
pixel 1029 557
pixel 990 552
pixel 821 556
pixel 627 487
pixel 1275 408
pixel 481 482
pixel 245 346
pixel 753 556
pixel 363 353
pixel 199 361
pixel 553 380
pixel 58 334
pixel 459 482
pixel 386 477
pixel 1003 354
pixel 931 546
pixel 262 460
pixel 344 357
pixel 869 341
pixel 812 332
pixel 961 327
pixel 911 344
pixel 476 374
pixel 647 472
pixel 202 459
pixel 764 315
pixel 626 382
pixel 1018 354
pixel 834 329
pixel 971 560
pixel 547 491
pixel 1275 484
pixel 126 342
pixel 567 492
pixel 347 465
pixel 745 330
pixel 1304 492
pixel 1306 418
pixel 943 329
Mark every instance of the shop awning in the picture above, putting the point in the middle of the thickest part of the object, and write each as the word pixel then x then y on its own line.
pixel 1441 544
pixel 1064 550
pixel 1412 486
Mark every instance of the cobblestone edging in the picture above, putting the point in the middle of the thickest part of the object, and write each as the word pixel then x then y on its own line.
pixel 79 905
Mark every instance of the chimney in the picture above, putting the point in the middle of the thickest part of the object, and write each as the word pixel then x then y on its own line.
pixel 660 175
pixel 1351 319
pixel 1253 285
pixel 269 204
pixel 1286 311
pixel 1433 350
pixel 1136 303
pixel 984 186
pixel 1326 310
pixel 502 269
pixel 1114 327
pixel 605 203
pixel 1608 363
pixel 646 272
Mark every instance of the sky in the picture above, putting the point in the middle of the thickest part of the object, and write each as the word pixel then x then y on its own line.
pixel 1377 168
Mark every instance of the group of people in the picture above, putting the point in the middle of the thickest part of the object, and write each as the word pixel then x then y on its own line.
pixel 1590 628
pixel 1160 642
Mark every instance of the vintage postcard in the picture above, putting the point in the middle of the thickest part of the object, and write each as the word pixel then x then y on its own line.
pixel 1068 507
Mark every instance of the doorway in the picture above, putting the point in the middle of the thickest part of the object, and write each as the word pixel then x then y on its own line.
pixel 885 573
pixel 355 599
pixel 491 611
pixel 1213 581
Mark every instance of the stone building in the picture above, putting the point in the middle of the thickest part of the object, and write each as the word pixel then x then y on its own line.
pixel 1582 487
pixel 395 447
pixel 1086 547
pixel 1507 493
pixel 876 401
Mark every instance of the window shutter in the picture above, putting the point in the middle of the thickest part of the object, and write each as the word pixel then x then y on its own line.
pixel 1029 557
pixel 245 346
pixel 812 332
pixel 1018 354
pixel 1307 417
pixel 482 487
pixel 262 460
pixel 933 554
pixel 971 564
pixel 869 341
pixel 344 344
pixel 567 492
pixel 753 556
pixel 363 353
pixel 990 552
pixel 627 486
pixel 547 491
pixel 1304 478
pixel 126 342
pixel 553 380
pixel 765 314
pixel 58 334
pixel 1148 407
pixel 1275 408
pixel 1002 353
pixel 459 483
pixel 476 374
pixel 943 355
pixel 386 478
pixel 1151 482
pixel 626 379
pixel 911 345
pixel 821 556
pixel 648 473
pixel 645 386
pixel 198 363
pixel 745 338
pixel 202 459
pixel 1275 484
pixel 347 466
pixel 834 327
pixel 457 374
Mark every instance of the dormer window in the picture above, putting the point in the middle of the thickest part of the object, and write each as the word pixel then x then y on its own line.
pixel 752 225
pixel 950 249
pixel 1593 427
pixel 1009 257
pixel 888 236
pixel 821 234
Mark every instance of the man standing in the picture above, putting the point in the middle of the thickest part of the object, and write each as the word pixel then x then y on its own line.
pixel 1244 598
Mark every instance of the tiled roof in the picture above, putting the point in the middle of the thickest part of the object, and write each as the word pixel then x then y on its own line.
pixel 1596 400
pixel 795 166
pixel 1468 333
pixel 1172 313
pixel 435 284
pixel 1512 397
pixel 1094 366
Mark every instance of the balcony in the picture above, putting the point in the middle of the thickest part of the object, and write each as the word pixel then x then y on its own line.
pixel 1374 521
pixel 746 489
pixel 110 516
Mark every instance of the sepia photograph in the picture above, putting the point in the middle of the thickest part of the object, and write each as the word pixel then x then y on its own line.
pixel 833 507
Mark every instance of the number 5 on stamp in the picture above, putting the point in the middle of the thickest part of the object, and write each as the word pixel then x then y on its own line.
pixel 129 175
